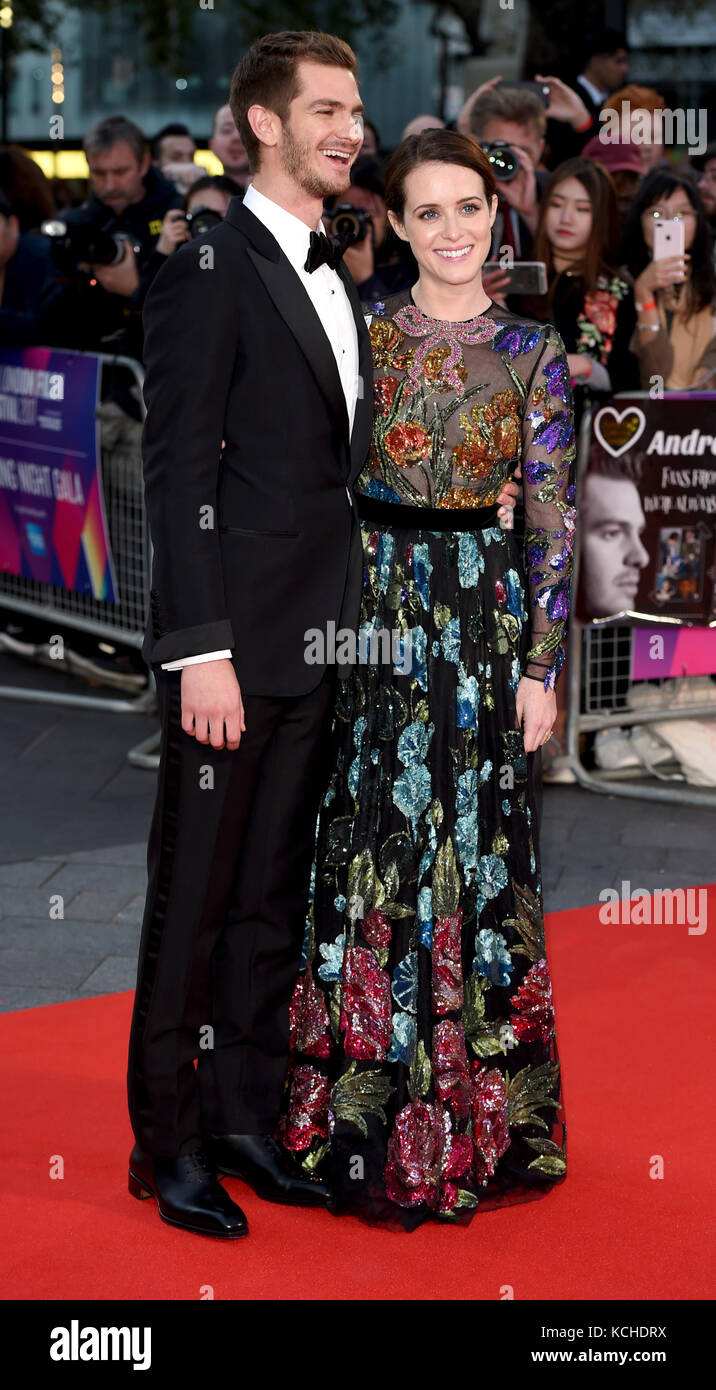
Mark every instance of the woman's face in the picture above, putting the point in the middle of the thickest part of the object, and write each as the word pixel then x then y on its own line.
pixel 568 217
pixel 677 204
pixel 447 220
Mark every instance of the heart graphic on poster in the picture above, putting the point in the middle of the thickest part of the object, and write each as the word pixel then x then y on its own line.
pixel 616 430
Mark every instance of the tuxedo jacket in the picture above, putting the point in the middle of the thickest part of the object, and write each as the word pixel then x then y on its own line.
pixel 258 543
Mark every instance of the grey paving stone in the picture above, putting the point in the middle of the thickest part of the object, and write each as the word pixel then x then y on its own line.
pixel 673 830
pixel 128 856
pixel 102 938
pixel 133 912
pixel 96 905
pixel 63 969
pixel 25 873
pixel 113 974
pixel 14 997
pixel 25 902
pixel 77 876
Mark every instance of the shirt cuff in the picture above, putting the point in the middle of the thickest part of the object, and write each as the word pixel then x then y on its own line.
pixel 194 660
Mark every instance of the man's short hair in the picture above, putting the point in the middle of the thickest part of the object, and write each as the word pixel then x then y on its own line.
pixel 601 43
pixel 627 469
pixel 514 104
pixel 268 76
pixel 109 131
pixel 173 128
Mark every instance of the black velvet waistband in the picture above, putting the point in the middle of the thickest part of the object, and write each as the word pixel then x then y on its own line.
pixel 425 518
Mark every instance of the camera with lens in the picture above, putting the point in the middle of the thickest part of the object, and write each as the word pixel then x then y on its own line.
pixel 503 159
pixel 201 221
pixel 72 242
pixel 349 223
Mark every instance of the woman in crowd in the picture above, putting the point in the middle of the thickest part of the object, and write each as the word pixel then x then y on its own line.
pixel 424 1079
pixel 590 305
pixel 675 334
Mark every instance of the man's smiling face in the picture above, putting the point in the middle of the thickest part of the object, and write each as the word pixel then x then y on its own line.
pixel 324 131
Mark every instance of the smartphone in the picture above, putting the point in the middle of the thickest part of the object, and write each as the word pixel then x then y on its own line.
pixel 526 277
pixel 540 89
pixel 668 238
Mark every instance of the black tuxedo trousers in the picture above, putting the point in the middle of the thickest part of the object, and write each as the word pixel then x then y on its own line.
pixel 254 544
pixel 230 852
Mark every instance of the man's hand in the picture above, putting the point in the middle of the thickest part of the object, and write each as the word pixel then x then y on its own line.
pixel 507 500
pixel 564 103
pixel 183 175
pixel 174 231
pixel 521 192
pixel 211 701
pixel 119 279
pixel 463 120
pixel 536 712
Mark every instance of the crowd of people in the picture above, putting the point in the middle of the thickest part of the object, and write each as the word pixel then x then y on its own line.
pixel 583 206
pixel 573 239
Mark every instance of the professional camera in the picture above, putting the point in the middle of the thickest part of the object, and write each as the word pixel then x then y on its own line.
pixel 72 242
pixel 202 220
pixel 348 223
pixel 503 160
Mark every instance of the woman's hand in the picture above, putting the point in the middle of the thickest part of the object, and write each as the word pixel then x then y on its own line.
pixel 536 712
pixel 657 275
pixel 495 282
pixel 507 500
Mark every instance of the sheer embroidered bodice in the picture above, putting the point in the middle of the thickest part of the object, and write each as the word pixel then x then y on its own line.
pixel 460 406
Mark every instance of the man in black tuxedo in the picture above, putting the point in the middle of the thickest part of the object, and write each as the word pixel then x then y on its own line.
pixel 258 421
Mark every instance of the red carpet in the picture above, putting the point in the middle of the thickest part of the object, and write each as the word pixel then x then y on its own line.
pixel 633 1032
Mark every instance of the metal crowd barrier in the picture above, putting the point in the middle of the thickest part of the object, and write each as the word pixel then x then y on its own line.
pixel 124 621
pixel 599 684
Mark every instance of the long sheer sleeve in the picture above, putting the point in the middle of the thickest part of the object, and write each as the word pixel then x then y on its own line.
pixel 549 472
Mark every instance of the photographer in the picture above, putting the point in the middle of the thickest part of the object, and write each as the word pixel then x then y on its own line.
pixel 379 264
pixel 105 286
pixel 204 205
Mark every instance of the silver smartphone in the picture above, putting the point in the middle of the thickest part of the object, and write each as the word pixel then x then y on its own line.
pixel 526 277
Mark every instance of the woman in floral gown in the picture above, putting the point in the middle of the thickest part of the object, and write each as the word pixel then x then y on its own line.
pixel 424 1081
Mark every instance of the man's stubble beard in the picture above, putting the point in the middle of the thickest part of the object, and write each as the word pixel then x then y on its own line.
pixel 295 161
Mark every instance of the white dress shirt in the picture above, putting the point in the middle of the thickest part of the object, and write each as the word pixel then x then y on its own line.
pixel 328 295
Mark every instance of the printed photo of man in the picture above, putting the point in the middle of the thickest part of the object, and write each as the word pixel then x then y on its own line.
pixel 613 554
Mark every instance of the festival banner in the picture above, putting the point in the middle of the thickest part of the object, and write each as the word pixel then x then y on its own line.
pixel 647 511
pixel 673 651
pixel 53 526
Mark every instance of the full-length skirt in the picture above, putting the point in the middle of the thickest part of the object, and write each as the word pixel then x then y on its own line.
pixel 424 1079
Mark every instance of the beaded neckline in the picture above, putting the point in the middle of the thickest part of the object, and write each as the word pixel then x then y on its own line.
pixel 436 332
pixel 449 323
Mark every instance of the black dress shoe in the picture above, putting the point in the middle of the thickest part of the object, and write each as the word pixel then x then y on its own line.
pixel 264 1165
pixel 188 1193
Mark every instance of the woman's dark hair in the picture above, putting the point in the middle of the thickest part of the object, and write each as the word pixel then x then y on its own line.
pixel 661 183
pixel 600 252
pixel 223 182
pixel 434 147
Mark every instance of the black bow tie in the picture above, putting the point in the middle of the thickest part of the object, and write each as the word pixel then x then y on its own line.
pixel 323 250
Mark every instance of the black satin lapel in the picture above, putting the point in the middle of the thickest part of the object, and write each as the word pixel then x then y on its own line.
pixel 295 307
pixel 363 420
